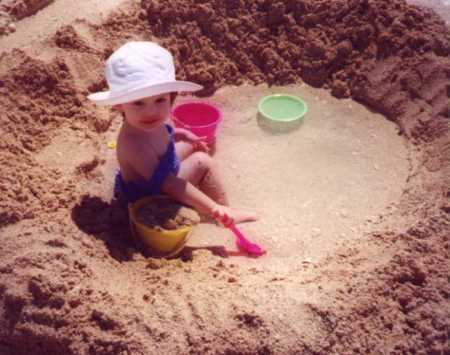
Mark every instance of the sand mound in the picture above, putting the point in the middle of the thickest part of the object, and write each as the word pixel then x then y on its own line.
pixel 71 281
pixel 348 46
pixel 13 10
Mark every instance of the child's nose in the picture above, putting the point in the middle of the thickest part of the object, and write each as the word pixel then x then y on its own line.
pixel 151 110
pixel 154 108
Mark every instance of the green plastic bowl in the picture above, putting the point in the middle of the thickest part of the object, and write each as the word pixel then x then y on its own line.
pixel 282 108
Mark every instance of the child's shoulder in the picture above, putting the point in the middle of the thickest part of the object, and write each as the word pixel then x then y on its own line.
pixel 136 154
pixel 125 142
pixel 128 144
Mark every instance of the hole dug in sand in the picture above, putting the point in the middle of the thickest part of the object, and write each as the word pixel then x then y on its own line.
pixel 319 185
pixel 70 280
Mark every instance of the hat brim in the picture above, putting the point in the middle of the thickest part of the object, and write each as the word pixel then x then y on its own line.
pixel 110 98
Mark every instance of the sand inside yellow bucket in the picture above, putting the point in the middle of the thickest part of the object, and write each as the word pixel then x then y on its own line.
pixel 166 214
pixel 163 224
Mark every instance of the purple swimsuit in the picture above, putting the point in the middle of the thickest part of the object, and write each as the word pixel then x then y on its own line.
pixel 134 190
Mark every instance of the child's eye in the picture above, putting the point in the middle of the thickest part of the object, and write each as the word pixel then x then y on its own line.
pixel 138 103
pixel 161 100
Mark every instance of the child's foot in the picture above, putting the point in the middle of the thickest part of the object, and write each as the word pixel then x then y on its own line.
pixel 241 216
pixel 229 216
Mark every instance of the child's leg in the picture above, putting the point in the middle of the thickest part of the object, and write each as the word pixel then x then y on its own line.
pixel 200 170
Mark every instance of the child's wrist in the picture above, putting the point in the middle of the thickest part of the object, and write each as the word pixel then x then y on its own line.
pixel 212 210
pixel 196 146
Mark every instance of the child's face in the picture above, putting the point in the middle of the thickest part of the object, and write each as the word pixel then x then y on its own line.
pixel 147 113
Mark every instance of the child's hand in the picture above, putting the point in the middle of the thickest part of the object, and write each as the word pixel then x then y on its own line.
pixel 197 143
pixel 200 146
pixel 223 215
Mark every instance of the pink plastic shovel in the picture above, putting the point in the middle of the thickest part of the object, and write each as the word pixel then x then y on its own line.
pixel 244 244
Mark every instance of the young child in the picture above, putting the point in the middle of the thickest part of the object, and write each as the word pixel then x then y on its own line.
pixel 154 157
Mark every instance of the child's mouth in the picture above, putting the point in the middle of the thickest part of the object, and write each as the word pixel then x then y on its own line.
pixel 149 121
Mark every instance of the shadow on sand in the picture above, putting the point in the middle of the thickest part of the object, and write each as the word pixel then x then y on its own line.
pixel 109 222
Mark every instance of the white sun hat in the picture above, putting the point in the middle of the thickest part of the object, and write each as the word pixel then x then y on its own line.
pixel 137 70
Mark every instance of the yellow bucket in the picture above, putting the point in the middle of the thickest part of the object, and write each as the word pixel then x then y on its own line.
pixel 161 242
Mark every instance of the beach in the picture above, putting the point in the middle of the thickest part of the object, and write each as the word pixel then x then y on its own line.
pixel 354 203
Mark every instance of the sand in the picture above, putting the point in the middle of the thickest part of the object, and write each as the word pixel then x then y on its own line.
pixel 165 215
pixel 354 207
pixel 337 161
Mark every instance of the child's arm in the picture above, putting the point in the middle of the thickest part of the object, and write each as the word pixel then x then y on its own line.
pixel 184 134
pixel 183 191
pixel 187 136
pixel 144 163
pixel 178 132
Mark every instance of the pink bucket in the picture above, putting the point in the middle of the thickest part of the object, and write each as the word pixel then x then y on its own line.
pixel 200 118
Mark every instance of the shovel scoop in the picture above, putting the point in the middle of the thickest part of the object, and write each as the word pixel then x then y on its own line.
pixel 244 244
